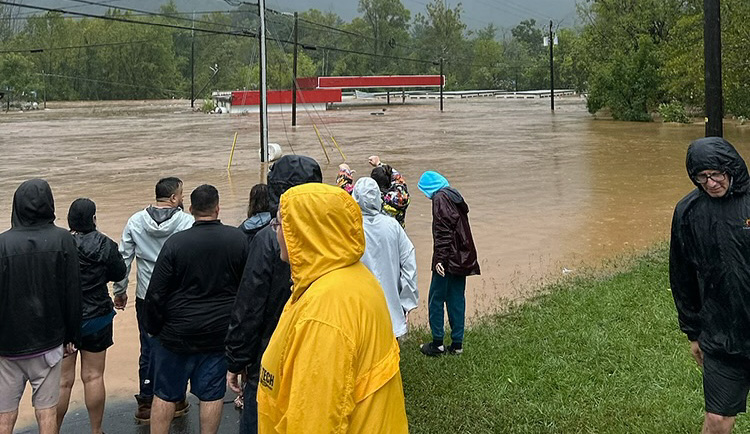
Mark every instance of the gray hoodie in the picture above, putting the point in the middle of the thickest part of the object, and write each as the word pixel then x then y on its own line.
pixel 389 254
pixel 142 239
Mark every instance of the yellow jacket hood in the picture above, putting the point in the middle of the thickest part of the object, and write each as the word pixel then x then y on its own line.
pixel 323 232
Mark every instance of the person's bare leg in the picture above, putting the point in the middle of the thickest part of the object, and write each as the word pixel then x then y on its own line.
pixel 717 424
pixel 162 413
pixel 8 421
pixel 92 375
pixel 67 379
pixel 47 420
pixel 211 416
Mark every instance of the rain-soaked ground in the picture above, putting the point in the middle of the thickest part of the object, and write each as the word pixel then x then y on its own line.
pixel 546 191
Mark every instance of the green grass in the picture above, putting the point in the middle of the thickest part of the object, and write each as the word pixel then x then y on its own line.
pixel 592 355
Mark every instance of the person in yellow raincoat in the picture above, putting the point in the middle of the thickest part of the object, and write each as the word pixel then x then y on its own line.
pixel 332 365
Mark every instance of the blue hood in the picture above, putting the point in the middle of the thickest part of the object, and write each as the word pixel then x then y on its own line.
pixel 430 182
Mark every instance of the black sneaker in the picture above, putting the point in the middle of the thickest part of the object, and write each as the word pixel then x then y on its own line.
pixel 456 349
pixel 432 350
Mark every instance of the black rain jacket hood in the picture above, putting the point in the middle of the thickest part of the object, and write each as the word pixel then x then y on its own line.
pixel 289 171
pixel 40 288
pixel 709 263
pixel 33 204
pixel 715 153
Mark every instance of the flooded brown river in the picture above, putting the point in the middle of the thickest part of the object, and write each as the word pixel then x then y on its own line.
pixel 546 191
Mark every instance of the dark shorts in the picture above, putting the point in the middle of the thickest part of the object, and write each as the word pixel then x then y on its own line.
pixel 726 382
pixel 206 372
pixel 98 341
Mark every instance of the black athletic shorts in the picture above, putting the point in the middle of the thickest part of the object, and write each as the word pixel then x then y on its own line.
pixel 726 382
pixel 98 341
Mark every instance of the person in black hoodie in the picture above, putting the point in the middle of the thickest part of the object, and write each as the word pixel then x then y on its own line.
pixel 40 305
pixel 454 257
pixel 264 290
pixel 258 215
pixel 100 263
pixel 709 273
pixel 188 303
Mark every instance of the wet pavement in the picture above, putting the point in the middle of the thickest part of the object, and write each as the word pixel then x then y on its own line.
pixel 546 191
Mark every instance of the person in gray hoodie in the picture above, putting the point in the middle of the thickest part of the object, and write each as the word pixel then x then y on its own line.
pixel 389 254
pixel 142 240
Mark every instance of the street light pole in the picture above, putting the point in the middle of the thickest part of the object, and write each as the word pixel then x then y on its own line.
pixel 263 96
pixel 294 71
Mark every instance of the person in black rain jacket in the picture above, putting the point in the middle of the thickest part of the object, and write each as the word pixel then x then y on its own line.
pixel 265 289
pixel 709 270
pixel 100 263
pixel 40 304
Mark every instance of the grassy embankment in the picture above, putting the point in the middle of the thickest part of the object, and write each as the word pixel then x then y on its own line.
pixel 594 355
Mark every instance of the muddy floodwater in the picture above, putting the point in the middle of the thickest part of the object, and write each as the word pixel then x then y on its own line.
pixel 546 191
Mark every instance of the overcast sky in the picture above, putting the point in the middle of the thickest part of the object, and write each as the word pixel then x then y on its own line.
pixel 477 13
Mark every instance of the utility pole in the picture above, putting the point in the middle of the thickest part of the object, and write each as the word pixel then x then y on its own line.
pixel 192 64
pixel 442 84
pixel 712 58
pixel 263 90
pixel 294 71
pixel 551 68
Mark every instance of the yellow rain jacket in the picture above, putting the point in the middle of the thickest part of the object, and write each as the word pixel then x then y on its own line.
pixel 332 365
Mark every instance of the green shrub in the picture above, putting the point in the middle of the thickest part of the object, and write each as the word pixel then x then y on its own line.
pixel 674 112
pixel 208 106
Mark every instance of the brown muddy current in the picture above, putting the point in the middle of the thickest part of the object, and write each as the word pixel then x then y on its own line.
pixel 546 191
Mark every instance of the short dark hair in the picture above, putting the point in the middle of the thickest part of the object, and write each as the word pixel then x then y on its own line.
pixel 204 199
pixel 258 201
pixel 166 187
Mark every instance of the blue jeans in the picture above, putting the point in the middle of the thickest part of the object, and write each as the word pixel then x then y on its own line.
pixel 249 421
pixel 448 291
pixel 145 364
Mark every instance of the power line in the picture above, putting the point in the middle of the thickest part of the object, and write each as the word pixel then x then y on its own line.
pixel 72 47
pixel 245 33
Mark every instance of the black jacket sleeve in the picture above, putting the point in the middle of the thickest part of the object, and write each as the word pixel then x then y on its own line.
pixel 683 280
pixel 159 288
pixel 248 313
pixel 116 269
pixel 444 220
pixel 71 298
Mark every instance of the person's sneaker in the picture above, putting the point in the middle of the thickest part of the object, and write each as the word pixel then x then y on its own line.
pixel 456 349
pixel 431 349
pixel 181 408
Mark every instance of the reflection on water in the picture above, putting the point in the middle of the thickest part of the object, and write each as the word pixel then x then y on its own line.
pixel 546 190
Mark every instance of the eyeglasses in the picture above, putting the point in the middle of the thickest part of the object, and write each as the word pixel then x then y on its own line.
pixel 703 178
pixel 275 224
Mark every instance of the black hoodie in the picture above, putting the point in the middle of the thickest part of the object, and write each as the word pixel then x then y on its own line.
pixel 266 282
pixel 40 288
pixel 709 263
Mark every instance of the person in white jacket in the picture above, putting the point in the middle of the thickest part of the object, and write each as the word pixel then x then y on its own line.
pixel 389 254
pixel 142 240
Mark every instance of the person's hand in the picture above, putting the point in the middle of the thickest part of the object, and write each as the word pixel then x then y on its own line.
pixel 696 352
pixel 69 349
pixel 440 270
pixel 121 300
pixel 406 316
pixel 233 381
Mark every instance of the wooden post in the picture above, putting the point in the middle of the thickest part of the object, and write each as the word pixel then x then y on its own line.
pixel 712 58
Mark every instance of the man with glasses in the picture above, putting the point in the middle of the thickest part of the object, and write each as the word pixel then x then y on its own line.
pixel 709 270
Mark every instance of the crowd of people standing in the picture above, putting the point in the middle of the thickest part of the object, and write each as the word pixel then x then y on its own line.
pixel 299 310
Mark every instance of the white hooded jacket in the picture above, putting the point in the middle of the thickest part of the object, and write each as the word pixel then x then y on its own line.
pixel 389 254
pixel 142 239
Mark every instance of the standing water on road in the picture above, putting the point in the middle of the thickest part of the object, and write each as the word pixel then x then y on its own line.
pixel 546 191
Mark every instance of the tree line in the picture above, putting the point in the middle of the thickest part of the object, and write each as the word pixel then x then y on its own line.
pixel 627 56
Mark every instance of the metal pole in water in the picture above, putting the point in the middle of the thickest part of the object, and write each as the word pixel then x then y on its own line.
pixel 551 68
pixel 294 72
pixel 712 55
pixel 263 94
pixel 442 83
pixel 192 64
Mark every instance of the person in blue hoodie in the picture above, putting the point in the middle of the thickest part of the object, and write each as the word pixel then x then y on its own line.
pixel 258 211
pixel 453 258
